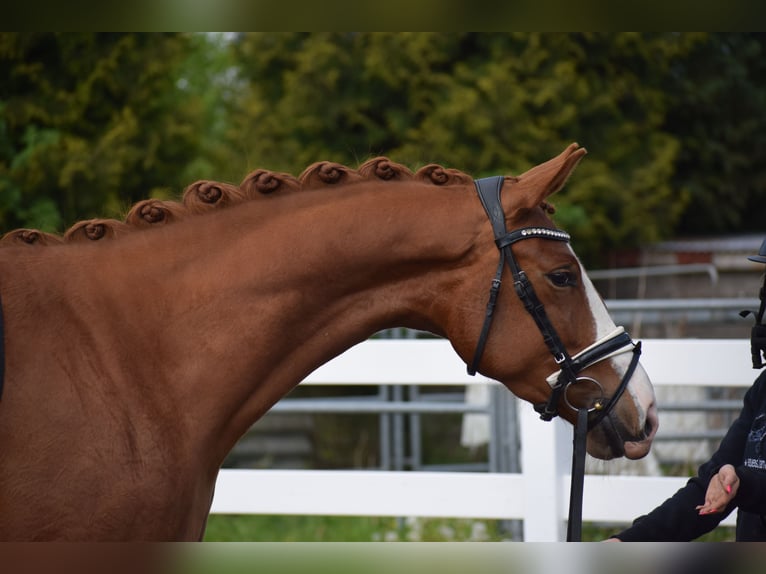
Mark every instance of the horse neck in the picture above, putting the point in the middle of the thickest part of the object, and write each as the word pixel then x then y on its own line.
pixel 321 272
pixel 227 312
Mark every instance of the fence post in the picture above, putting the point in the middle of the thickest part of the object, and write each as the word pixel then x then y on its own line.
pixel 545 463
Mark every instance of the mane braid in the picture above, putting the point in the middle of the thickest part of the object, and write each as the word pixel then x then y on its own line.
pixel 438 175
pixel 326 173
pixel 30 237
pixel 204 196
pixel 96 229
pixel 384 169
pixel 149 212
pixel 263 182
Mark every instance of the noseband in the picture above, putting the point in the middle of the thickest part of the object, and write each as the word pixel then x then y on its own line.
pixel 619 341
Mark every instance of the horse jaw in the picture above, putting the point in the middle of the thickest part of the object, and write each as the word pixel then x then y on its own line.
pixel 630 428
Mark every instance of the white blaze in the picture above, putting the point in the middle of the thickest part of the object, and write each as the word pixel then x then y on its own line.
pixel 639 387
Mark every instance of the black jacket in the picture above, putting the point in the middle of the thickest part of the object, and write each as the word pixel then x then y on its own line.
pixel 744 447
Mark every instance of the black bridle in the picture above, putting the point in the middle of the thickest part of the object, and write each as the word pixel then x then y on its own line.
pixel 619 341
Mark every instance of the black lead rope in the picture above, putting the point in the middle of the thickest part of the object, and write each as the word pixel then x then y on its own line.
pixel 577 485
pixel 579 443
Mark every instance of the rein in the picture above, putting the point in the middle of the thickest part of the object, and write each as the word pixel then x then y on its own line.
pixel 619 341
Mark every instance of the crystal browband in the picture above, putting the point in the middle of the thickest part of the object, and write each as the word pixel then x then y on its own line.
pixel 529 232
pixel 546 232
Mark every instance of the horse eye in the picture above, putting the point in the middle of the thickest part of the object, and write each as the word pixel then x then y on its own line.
pixel 562 279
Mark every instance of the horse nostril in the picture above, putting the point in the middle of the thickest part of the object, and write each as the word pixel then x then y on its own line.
pixel 651 423
pixel 647 429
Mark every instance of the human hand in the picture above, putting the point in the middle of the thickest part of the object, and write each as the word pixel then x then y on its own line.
pixel 721 490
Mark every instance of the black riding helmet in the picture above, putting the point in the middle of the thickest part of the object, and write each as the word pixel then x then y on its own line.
pixel 761 257
pixel 758 333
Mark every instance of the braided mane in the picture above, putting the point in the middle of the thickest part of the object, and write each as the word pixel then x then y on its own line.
pixel 204 196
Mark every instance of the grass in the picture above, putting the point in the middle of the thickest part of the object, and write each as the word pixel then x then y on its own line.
pixel 595 533
pixel 283 528
pixel 256 528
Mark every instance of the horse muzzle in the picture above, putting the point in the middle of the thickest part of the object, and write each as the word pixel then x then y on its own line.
pixel 627 430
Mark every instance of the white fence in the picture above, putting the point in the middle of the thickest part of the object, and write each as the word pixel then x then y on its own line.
pixel 539 495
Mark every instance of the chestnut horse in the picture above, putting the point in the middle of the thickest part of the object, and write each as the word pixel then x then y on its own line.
pixel 133 364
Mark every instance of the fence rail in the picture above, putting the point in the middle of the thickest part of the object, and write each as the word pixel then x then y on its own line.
pixel 538 495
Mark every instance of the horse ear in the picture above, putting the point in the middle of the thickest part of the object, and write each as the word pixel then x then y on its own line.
pixel 535 185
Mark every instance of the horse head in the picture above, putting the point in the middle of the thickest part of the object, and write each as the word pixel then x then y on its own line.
pixel 565 353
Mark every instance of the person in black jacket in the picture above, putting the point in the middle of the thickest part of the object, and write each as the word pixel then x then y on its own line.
pixel 734 477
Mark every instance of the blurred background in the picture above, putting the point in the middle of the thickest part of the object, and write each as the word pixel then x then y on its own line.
pixel 664 208
pixel 675 123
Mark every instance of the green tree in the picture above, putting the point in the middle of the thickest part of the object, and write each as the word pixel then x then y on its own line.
pixel 718 112
pixel 486 103
pixel 91 122
pixel 675 122
pixel 209 82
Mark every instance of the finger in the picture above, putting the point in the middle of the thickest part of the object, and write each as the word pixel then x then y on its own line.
pixel 725 481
